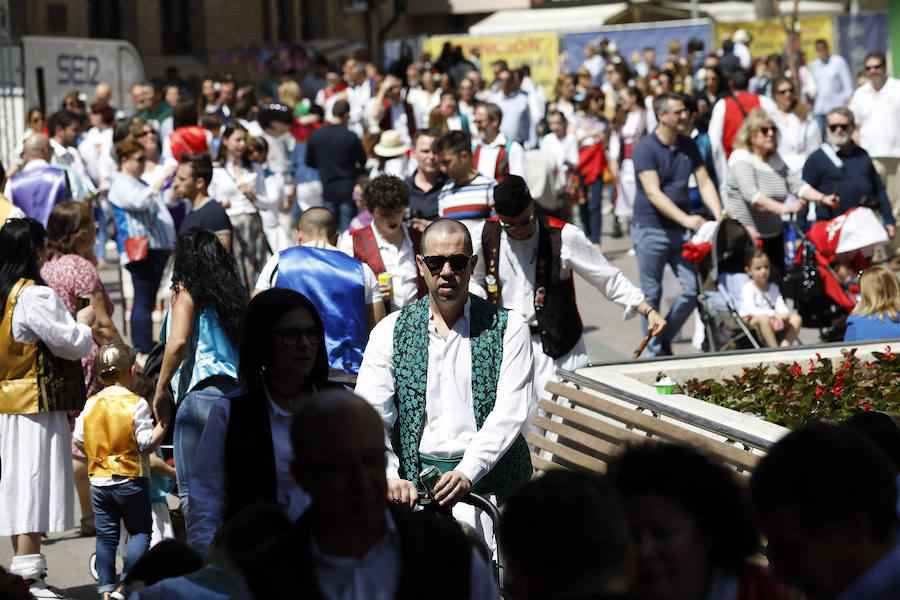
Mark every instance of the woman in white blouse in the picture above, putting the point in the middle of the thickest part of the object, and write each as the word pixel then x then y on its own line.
pixel 758 184
pixel 37 487
pixel 239 186
pixel 629 125
pixel 800 135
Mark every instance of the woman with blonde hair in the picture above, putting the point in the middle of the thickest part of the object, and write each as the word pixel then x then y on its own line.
pixel 289 92
pixel 877 316
pixel 800 135
pixel 565 92
pixel 759 183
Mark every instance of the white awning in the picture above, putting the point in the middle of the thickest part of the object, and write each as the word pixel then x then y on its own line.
pixel 744 12
pixel 573 18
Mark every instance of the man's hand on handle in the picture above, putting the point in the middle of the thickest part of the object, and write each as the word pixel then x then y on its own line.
pixel 452 486
pixel 402 491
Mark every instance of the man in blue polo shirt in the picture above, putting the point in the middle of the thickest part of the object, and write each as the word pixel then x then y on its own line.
pixel 664 163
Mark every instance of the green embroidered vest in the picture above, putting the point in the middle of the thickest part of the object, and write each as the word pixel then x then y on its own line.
pixel 487 324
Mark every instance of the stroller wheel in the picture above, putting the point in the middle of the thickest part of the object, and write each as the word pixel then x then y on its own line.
pixel 92 566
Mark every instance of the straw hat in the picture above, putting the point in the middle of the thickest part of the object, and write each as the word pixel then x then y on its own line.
pixel 390 145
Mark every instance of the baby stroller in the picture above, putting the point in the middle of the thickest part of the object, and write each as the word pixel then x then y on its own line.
pixel 720 276
pixel 834 252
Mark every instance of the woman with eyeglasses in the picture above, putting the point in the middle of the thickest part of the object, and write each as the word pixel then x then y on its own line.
pixel 245 452
pixel 759 183
pixel 239 186
pixel 154 170
pixel 71 273
pixel 200 331
pixel 145 238
pixel 800 135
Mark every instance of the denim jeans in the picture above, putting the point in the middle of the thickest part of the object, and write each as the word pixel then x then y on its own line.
pixel 655 247
pixel 592 212
pixel 129 501
pixel 190 419
pixel 145 277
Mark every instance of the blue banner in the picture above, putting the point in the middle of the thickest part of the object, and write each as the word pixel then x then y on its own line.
pixel 635 40
pixel 858 35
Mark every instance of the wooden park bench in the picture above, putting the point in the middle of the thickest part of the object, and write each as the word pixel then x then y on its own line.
pixel 585 430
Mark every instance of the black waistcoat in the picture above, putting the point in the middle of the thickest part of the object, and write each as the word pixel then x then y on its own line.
pixel 554 298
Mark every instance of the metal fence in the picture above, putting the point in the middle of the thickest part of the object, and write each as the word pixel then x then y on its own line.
pixel 12 90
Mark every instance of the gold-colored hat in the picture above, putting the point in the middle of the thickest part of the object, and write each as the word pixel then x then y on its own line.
pixel 114 360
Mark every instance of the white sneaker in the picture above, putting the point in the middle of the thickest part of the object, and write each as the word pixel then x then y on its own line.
pixel 41 591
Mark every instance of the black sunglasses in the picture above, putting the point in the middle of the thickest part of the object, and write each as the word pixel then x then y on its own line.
pixel 874 67
pixel 435 264
pixel 785 91
pixel 768 130
pixel 836 126
pixel 292 336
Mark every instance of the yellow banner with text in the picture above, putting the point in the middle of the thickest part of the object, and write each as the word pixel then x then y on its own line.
pixel 769 36
pixel 540 51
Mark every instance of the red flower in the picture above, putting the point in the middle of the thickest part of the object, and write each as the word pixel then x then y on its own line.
pixel 812 366
pixel 868 366
pixel 867 406
pixel 796 370
pixel 818 356
pixel 847 366
pixel 789 394
pixel 819 391
pixel 836 390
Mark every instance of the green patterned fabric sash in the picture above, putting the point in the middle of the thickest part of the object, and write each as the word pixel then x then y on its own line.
pixel 487 324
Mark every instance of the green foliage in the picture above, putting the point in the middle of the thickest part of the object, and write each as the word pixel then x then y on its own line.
pixel 792 395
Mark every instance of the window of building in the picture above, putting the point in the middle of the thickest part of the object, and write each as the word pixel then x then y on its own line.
pixel 175 26
pixel 57 17
pixel 104 19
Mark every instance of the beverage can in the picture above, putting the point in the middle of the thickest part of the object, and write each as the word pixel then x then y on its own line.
pixel 388 280
pixel 429 477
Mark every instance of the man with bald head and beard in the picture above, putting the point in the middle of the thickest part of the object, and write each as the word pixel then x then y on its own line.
pixel 451 376
pixel 38 186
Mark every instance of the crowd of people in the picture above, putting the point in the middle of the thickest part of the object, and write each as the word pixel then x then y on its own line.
pixel 414 233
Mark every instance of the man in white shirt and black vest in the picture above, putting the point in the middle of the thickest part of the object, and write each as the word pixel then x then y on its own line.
pixel 526 263
pixel 451 376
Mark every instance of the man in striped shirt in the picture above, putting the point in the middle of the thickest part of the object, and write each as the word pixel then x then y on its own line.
pixel 468 196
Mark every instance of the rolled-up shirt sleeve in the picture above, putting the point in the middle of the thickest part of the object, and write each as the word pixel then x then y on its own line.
pixel 41 316
pixel 375 382
pixel 580 255
pixel 130 194
pixel 515 398
pixel 207 489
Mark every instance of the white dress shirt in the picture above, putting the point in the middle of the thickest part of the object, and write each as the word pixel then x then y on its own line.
pixel 878 117
pixel 224 189
pixel 96 150
pixel 374 575
pixel 399 262
pixel 834 84
pixel 489 153
pixel 796 139
pixel 358 97
pixel 82 187
pixel 516 122
pixel 449 430
pixel 518 271
pixel 208 480
pixel 563 150
pixel 41 316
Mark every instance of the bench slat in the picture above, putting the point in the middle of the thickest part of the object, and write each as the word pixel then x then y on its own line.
pixel 567 454
pixel 607 431
pixel 541 464
pixel 566 433
pixel 658 427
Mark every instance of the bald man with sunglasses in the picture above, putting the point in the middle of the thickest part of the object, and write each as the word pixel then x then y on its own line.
pixel 451 375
